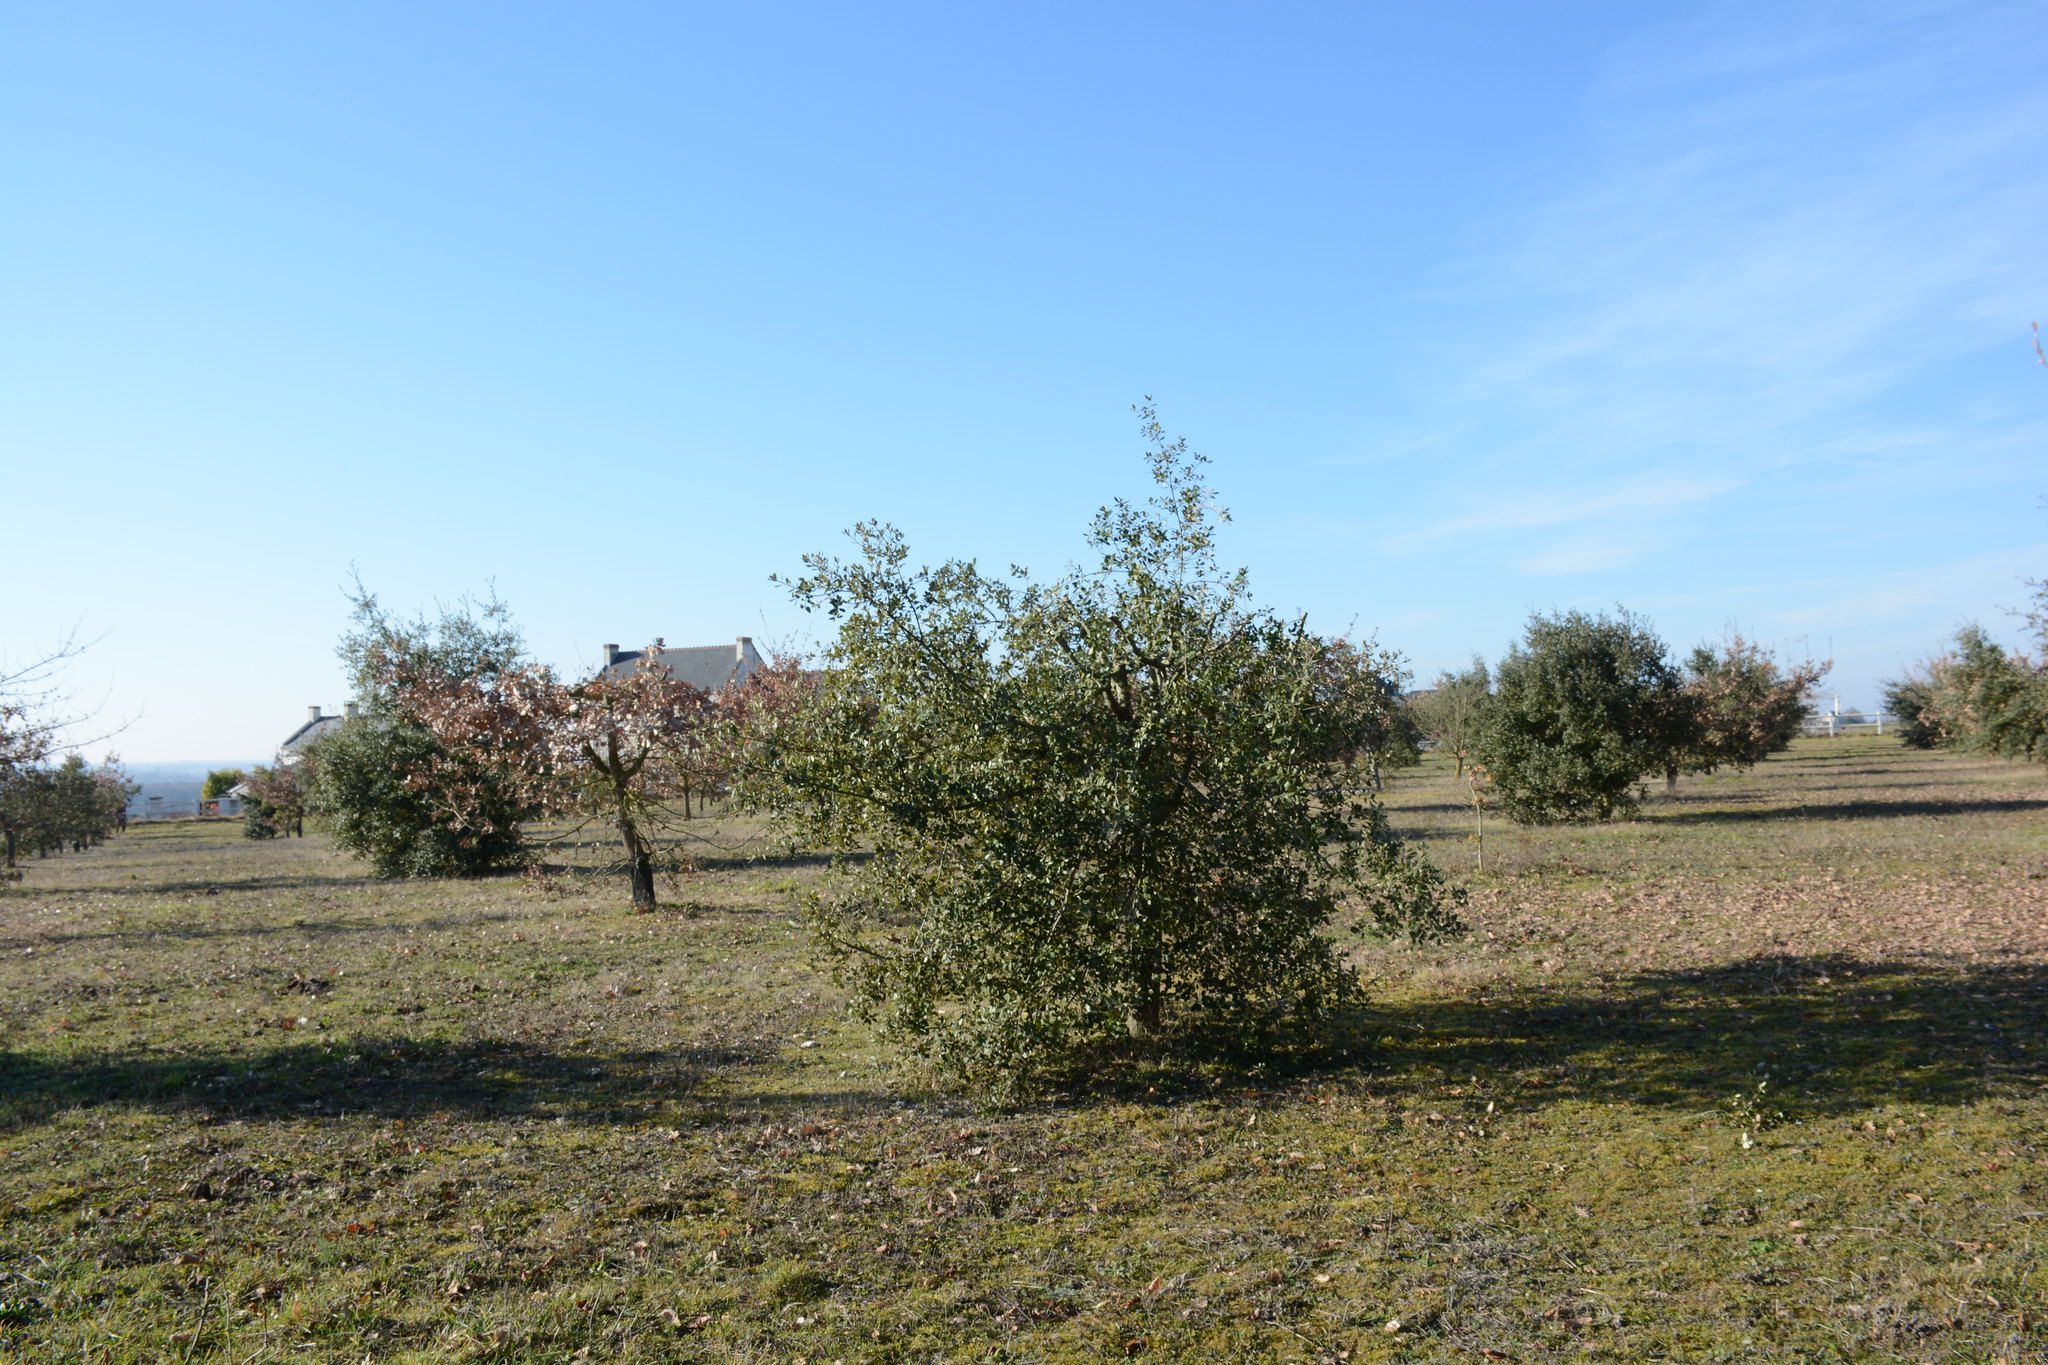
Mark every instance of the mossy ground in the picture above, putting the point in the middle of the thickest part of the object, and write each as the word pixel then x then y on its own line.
pixel 257 1107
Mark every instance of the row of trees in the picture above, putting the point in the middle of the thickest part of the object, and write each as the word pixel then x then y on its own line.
pixel 48 805
pixel 1588 707
pixel 1978 695
pixel 463 742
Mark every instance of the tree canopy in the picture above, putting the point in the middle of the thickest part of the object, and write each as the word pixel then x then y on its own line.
pixel 1582 708
pixel 384 784
pixel 1977 695
pixel 1744 706
pixel 1120 803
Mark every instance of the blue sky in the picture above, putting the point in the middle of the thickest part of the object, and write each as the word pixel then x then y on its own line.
pixel 1719 312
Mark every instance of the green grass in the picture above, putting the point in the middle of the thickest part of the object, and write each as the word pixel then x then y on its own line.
pixel 255 1106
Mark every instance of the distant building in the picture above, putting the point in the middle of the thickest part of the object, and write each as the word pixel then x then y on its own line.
pixel 708 668
pixel 317 726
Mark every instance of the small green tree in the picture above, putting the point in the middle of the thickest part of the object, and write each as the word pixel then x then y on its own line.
pixel 219 783
pixel 1911 700
pixel 1581 710
pixel 1116 805
pixel 384 785
pixel 275 800
pixel 1453 711
pixel 364 794
pixel 41 805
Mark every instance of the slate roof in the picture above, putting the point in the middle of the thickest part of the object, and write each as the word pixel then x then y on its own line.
pixel 709 668
pixel 316 726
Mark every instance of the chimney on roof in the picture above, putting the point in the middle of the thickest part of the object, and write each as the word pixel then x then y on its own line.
pixel 312 714
pixel 350 710
pixel 611 655
pixel 742 646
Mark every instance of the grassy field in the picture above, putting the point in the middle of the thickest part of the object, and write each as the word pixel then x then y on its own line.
pixel 1756 1077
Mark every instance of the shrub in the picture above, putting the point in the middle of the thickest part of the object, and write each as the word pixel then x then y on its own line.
pixel 1912 700
pixel 364 792
pixel 1581 710
pixel 274 799
pixel 385 787
pixel 1744 707
pixel 1977 696
pixel 1116 805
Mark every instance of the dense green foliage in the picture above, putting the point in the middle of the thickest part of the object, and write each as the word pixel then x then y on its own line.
pixel 1581 710
pixel 364 792
pixel 1911 700
pixel 1121 804
pixel 1393 737
pixel 385 787
pixel 258 822
pixel 219 783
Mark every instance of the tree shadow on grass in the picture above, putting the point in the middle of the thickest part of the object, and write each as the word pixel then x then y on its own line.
pixel 198 930
pixel 291 881
pixel 1832 1035
pixel 386 1077
pixel 768 862
pixel 1853 810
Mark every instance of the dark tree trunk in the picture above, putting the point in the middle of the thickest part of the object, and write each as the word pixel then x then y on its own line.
pixel 643 883
pixel 641 861
pixel 13 846
pixel 1671 779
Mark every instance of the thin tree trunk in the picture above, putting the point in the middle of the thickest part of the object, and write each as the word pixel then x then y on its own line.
pixel 1671 779
pixel 1142 1020
pixel 13 845
pixel 641 860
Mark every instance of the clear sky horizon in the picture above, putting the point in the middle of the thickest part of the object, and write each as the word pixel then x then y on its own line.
pixel 1719 312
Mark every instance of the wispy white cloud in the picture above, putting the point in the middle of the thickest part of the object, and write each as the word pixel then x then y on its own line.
pixel 1631 498
pixel 1594 551
pixel 1609 525
pixel 1785 233
pixel 1845 602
